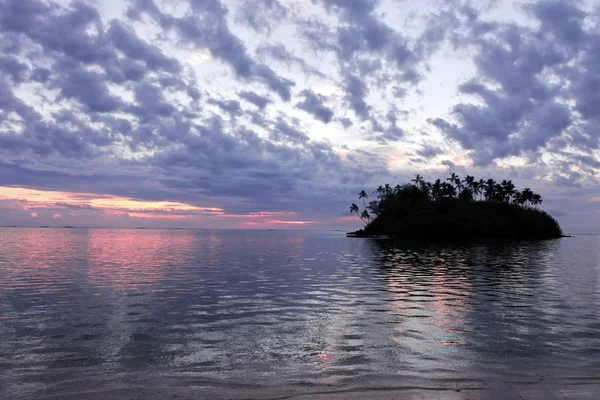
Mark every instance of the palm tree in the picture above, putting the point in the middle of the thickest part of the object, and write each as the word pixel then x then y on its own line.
pixel 363 195
pixel 426 188
pixel 476 189
pixel 469 180
pixel 527 196
pixel 508 190
pixel 366 218
pixel 354 209
pixel 517 198
pixel 536 200
pixel 455 180
pixel 436 189
pixel 481 184
pixel 466 191
pixel 448 190
pixel 489 189
pixel 380 190
pixel 418 180
pixel 388 190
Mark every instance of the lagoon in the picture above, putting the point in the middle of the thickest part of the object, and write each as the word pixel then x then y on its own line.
pixel 95 313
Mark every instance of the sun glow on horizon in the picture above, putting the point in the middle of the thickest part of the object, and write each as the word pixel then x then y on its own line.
pixel 70 204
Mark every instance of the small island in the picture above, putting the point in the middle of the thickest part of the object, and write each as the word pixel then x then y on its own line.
pixel 454 208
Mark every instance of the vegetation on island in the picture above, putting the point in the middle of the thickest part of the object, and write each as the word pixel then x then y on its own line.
pixel 454 208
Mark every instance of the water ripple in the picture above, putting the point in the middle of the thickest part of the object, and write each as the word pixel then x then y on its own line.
pixel 82 309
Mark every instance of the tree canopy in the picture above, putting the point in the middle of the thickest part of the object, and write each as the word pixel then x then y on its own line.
pixel 456 198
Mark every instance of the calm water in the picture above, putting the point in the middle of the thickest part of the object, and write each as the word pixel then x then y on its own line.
pixel 87 309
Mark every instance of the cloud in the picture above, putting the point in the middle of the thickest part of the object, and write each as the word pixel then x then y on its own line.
pixel 231 107
pixel 260 15
pixel 280 53
pixel 313 104
pixel 428 151
pixel 254 98
pixel 206 27
pixel 527 77
pixel 135 48
pixel 13 68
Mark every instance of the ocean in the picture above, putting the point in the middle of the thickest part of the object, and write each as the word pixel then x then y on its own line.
pixel 88 313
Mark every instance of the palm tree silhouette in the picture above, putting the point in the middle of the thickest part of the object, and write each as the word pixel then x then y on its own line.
pixel 476 189
pixel 422 192
pixel 418 180
pixel 536 199
pixel 469 180
pixel 527 196
pixel 508 190
pixel 454 180
pixel 362 196
pixel 366 218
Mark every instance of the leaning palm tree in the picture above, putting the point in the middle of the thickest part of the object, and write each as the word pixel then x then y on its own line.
pixel 362 196
pixel 366 218
pixel 354 209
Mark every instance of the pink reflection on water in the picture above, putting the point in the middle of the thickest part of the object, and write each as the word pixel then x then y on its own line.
pixel 128 259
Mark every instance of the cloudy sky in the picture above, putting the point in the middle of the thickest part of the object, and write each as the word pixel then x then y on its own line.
pixel 275 113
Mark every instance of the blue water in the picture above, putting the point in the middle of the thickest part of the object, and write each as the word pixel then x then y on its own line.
pixel 94 309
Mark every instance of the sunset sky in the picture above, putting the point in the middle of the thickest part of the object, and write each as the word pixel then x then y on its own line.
pixel 276 113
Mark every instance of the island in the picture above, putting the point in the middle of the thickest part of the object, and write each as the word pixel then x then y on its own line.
pixel 454 208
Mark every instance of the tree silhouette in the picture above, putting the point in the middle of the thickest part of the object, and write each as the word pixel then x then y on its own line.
pixel 452 189
pixel 454 208
pixel 362 196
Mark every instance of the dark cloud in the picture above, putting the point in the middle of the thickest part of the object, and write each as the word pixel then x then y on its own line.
pixel 231 107
pixel 150 102
pixel 429 151
pixel 207 28
pixel 449 164
pixel 256 99
pixel 12 67
pixel 135 48
pixel 356 92
pixel 313 104
pixel 526 78
pixel 284 132
pixel 88 87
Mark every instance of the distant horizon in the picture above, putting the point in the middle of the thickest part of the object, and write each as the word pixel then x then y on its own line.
pixel 219 229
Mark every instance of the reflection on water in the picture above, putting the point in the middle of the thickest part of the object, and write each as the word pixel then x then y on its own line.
pixel 85 309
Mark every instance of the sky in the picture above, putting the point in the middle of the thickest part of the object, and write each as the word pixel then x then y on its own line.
pixel 276 113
